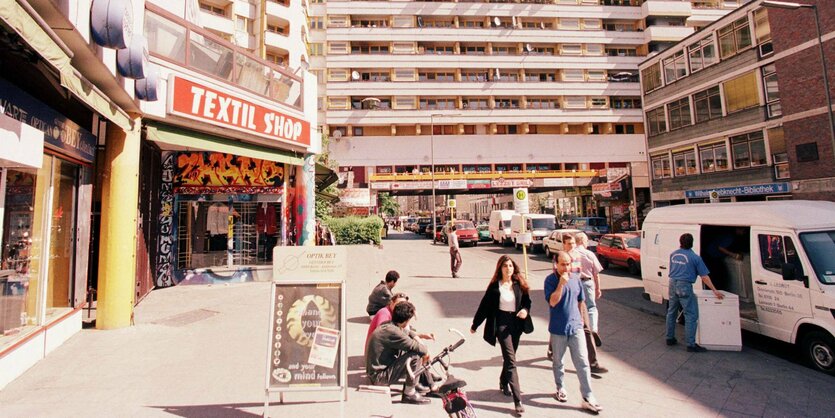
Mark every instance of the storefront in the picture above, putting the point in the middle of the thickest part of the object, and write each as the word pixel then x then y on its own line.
pixel 45 202
pixel 231 143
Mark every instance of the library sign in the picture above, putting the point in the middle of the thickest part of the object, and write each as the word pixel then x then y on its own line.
pixel 199 102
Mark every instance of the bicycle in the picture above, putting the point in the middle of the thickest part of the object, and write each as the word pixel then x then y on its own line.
pixel 455 401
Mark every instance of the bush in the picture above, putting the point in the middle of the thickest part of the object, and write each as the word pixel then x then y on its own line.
pixel 356 230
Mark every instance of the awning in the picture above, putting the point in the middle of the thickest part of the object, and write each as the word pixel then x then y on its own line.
pixel 325 177
pixel 186 140
pixel 38 39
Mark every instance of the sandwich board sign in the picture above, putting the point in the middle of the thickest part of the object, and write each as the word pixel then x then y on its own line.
pixel 306 339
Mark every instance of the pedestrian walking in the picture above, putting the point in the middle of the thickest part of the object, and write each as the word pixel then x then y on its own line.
pixel 454 251
pixel 505 309
pixel 567 314
pixel 590 269
pixel 381 294
pixel 685 267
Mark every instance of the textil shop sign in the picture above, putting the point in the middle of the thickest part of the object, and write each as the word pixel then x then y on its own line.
pixel 195 101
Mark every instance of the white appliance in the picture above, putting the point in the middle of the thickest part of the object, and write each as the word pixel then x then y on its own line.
pixel 718 321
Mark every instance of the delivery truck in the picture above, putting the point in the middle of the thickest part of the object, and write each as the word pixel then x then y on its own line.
pixel 778 257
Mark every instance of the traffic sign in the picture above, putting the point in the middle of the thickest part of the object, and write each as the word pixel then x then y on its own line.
pixel 520 200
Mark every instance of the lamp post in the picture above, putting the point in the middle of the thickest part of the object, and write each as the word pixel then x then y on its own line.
pixel 432 162
pixel 795 6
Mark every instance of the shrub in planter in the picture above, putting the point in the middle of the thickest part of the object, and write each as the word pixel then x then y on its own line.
pixel 356 230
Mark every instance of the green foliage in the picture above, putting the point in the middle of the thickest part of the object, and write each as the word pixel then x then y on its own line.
pixel 388 204
pixel 356 230
pixel 323 207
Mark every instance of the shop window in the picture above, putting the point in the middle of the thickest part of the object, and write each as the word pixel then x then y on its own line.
pixel 656 121
pixel 685 163
pixel 708 104
pixel 748 150
pixel 679 111
pixel 714 157
pixel 651 77
pixel 772 91
pixel 661 168
pixel 734 38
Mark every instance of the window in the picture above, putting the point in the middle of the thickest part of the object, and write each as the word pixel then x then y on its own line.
pixel 404 102
pixel 776 250
pixel 674 67
pixel 504 50
pixel 374 76
pixel 762 31
pixel 741 92
pixel 212 9
pixel 474 76
pixel 708 104
pixel 625 102
pixel 570 24
pixel 471 23
pixel 316 22
pixel 781 166
pixel 357 131
pixel 337 47
pixel 314 49
pixel 572 75
pixel 772 91
pixel 339 103
pixel 621 52
pixel 437 104
pixel 592 24
pixel 661 167
pixel 475 103
pixel 599 102
pixel 242 24
pixel 473 50
pixel 575 102
pixel 505 103
pixel 543 103
pixel 594 49
pixel 702 54
pixel 436 76
pixel 656 121
pixel 651 77
pixel 571 49
pixel 404 74
pixel 748 150
pixel 679 113
pixel 439 49
pixel 685 163
pixel 621 129
pixel 714 157
pixel 734 38
pixel 596 75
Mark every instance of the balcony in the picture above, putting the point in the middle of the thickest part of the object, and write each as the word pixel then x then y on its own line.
pixel 667 33
pixel 666 8
pixel 217 23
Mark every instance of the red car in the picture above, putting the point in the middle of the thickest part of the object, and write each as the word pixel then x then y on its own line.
pixel 467 234
pixel 622 250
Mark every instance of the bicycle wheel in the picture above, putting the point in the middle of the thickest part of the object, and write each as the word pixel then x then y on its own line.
pixel 467 412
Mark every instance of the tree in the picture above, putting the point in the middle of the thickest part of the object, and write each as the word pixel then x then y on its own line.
pixel 388 204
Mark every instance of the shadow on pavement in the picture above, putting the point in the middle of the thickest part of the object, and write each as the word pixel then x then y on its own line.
pixel 233 410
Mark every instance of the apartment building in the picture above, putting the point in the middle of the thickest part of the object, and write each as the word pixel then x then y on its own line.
pixel 737 111
pixel 494 94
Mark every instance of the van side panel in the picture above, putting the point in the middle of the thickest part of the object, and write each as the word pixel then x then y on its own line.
pixel 659 240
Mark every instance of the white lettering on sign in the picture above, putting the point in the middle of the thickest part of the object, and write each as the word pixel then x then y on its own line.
pixel 203 103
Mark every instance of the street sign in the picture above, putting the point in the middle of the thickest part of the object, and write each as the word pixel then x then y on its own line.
pixel 520 200
pixel 450 203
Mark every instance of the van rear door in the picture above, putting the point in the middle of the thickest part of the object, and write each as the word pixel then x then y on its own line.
pixel 658 242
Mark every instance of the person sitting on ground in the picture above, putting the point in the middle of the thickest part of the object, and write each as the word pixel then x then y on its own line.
pixel 384 315
pixel 381 294
pixel 389 349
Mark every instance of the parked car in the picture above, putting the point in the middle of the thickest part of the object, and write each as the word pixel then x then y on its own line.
pixel 428 230
pixel 621 250
pixel 439 228
pixel 593 226
pixel 553 242
pixel 467 234
pixel 421 225
pixel 483 232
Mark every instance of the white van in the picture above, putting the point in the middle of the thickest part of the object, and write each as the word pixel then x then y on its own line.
pixel 780 261
pixel 538 224
pixel 499 226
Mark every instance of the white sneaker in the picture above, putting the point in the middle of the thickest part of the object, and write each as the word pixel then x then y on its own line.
pixel 561 395
pixel 591 405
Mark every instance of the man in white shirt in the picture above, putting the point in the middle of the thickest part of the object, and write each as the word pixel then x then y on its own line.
pixel 454 253
pixel 587 267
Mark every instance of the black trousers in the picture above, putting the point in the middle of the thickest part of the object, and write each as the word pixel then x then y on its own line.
pixel 508 331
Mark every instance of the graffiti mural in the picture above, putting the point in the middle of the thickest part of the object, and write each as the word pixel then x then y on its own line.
pixel 212 172
pixel 165 240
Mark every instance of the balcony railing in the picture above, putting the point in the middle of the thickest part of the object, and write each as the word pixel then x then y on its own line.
pixel 182 43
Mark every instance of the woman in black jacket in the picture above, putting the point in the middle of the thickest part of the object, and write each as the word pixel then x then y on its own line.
pixel 505 307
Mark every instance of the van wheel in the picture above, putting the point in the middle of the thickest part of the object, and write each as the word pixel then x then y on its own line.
pixel 603 262
pixel 634 269
pixel 819 349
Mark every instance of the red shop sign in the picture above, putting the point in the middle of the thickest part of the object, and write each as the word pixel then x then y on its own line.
pixel 206 104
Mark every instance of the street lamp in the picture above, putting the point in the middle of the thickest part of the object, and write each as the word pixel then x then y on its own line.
pixel 794 6
pixel 432 162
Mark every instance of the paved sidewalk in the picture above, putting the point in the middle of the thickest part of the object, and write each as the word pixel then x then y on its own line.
pixel 200 351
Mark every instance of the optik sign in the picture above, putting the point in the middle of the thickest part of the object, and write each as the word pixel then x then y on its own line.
pixel 206 104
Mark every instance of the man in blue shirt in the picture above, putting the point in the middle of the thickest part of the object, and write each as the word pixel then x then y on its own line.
pixel 568 313
pixel 685 267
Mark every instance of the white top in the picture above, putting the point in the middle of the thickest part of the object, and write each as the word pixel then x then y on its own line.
pixel 507 300
pixel 452 237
